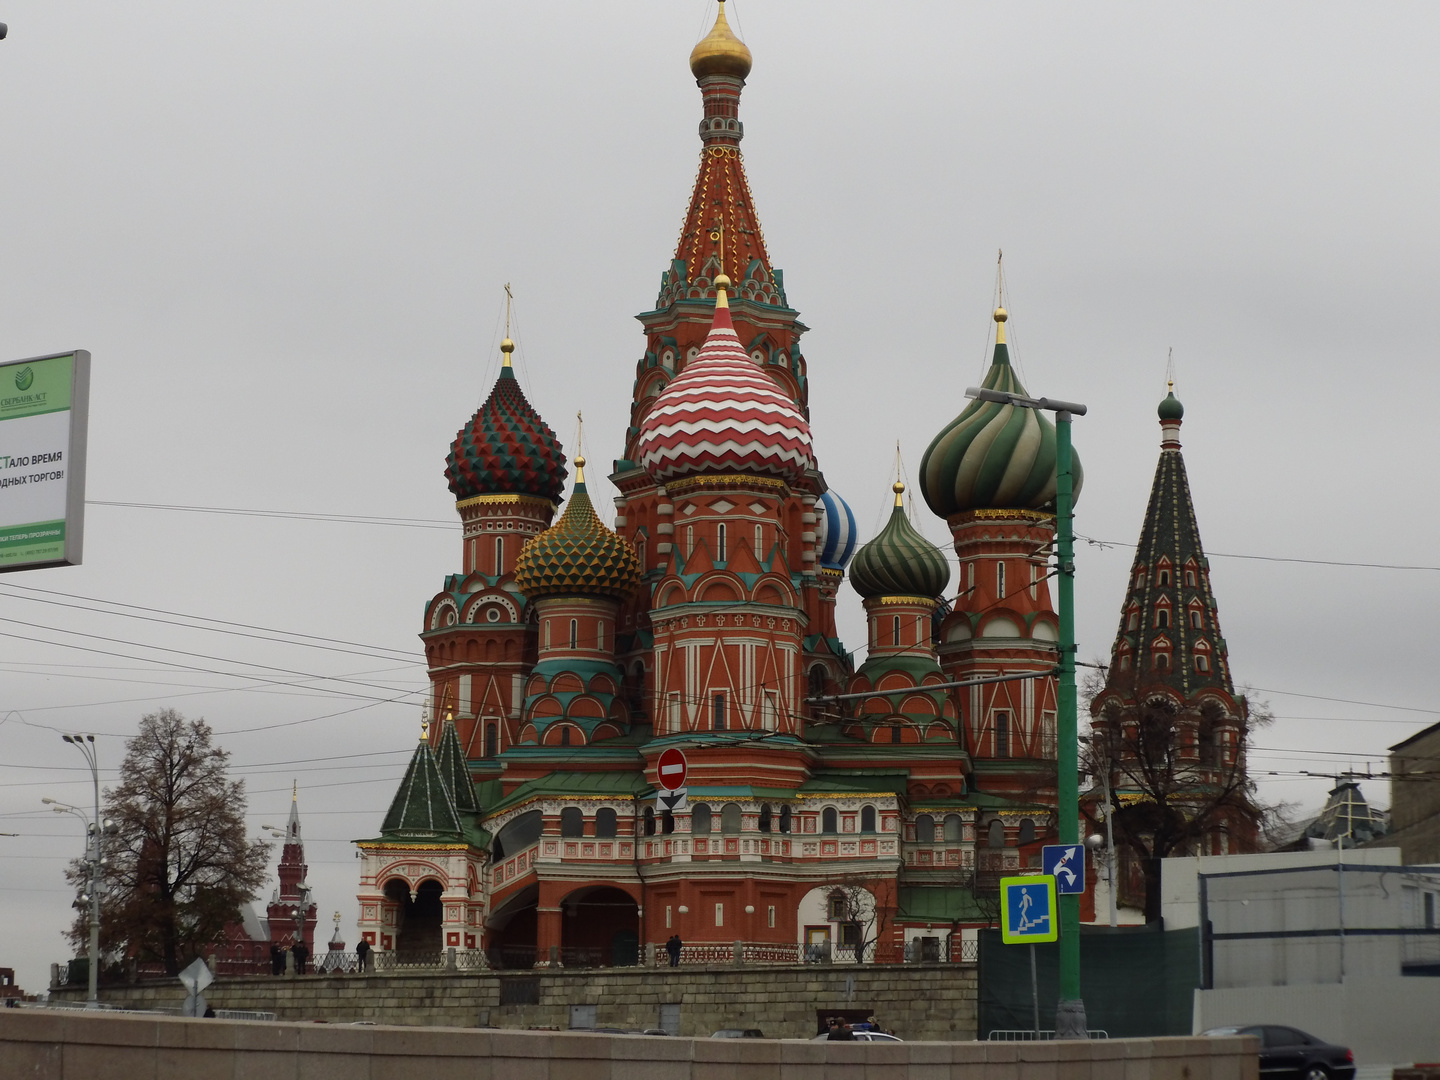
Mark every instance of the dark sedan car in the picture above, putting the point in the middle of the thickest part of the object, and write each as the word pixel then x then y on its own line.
pixel 1287 1053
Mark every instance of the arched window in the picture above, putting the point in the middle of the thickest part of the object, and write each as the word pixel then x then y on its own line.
pixel 867 819
pixel 572 821
pixel 895 630
pixel 492 740
pixel 649 821
pixel 924 829
pixel 499 555
pixel 829 820
pixel 1027 831
pixel 574 633
pixel 817 680
pixel 565 736
pixel 718 705
pixel 720 542
pixel 547 633
pixel 1002 734
pixel 1190 578
pixel 606 822
pixel 700 819
pixel 1000 580
pixel 730 819
pixel 765 817
pixel 689 540
pixel 996 837
pixel 1162 617
pixel 599 634
pixel 1162 577
pixel 667 822
pixel 954 828
pixel 1132 622
pixel 785 819
pixel 759 543
pixel 1202 663
pixel 1197 621
pixel 1162 661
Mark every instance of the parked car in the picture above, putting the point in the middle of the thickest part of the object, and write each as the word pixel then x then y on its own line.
pixel 738 1033
pixel 862 1036
pixel 1287 1053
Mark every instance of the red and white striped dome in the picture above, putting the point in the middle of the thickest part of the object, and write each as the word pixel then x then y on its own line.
pixel 722 414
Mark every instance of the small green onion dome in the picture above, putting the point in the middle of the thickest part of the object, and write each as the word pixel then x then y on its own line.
pixel 578 555
pixel 993 456
pixel 1170 408
pixel 899 561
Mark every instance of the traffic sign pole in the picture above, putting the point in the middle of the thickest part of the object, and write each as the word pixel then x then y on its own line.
pixel 1070 1010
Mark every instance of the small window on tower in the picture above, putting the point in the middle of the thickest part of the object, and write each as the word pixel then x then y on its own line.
pixel 1000 581
pixel 1190 578
pixel 574 633
pixel 1162 577
pixel 564 736
pixel 599 635
pixel 1162 661
pixel 689 540
pixel 1133 622
pixel 1125 663
pixel 1162 617
pixel 759 542
pixel 492 740
pixel 720 542
pixel 1196 621
pixel 718 707
pixel 499 555
pixel 896 733
pixel 1002 734
pixel 895 631
pixel 1202 664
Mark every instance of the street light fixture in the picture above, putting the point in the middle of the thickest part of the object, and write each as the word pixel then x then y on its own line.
pixel 303 890
pixel 96 830
pixel 1070 1011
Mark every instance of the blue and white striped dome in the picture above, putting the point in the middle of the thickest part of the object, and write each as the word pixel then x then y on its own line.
pixel 835 534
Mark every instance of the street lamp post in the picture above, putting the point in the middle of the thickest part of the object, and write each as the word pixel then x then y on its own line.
pixel 303 890
pixel 95 832
pixel 1070 1010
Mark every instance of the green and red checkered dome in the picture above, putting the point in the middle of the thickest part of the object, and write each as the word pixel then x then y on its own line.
pixel 506 449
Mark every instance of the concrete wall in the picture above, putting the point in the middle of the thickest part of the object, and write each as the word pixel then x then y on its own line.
pixel 1391 1021
pixel 918 1001
pixel 70 1045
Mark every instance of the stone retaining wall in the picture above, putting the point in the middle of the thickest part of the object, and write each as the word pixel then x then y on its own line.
pixel 40 1044
pixel 917 1001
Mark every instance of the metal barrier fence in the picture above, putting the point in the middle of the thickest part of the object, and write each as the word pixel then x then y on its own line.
pixel 1031 1035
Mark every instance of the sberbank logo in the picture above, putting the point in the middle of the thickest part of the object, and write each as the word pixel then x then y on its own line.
pixel 24 378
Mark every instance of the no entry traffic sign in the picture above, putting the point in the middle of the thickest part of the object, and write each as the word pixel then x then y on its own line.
pixel 672 769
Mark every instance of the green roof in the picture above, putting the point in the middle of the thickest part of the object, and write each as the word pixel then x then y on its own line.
pixel 455 772
pixel 623 785
pixel 938 904
pixel 857 780
pixel 422 804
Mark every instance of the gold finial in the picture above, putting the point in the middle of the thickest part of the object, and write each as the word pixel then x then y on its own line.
pixel 294 790
pixel 424 724
pixel 580 470
pixel 720 52
pixel 899 488
pixel 507 346
pixel 1000 316
pixel 721 284
pixel 579 446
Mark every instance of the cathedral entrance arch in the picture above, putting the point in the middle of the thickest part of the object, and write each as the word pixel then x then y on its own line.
pixel 513 929
pixel 600 927
pixel 418 916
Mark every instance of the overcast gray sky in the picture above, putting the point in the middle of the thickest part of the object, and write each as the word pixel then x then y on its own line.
pixel 282 230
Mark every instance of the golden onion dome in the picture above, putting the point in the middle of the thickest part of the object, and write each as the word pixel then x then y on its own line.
pixel 578 555
pixel 720 52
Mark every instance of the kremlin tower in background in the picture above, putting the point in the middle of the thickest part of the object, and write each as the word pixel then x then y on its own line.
pixel 831 811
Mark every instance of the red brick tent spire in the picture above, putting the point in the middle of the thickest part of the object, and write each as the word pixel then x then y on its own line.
pixel 292 870
pixel 721 234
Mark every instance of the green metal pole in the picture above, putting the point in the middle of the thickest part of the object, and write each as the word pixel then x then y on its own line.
pixel 1070 1012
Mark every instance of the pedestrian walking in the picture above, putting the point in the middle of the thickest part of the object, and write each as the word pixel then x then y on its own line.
pixel 673 948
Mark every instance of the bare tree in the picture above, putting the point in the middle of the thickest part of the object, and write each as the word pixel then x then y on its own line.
pixel 180 866
pixel 1177 776
pixel 867 906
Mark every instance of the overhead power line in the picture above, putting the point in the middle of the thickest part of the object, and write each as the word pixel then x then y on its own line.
pixel 1273 558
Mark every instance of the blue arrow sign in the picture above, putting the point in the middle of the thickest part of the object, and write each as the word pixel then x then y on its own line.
pixel 1027 910
pixel 1066 864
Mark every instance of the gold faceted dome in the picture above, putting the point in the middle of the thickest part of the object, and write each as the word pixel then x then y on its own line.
pixel 720 52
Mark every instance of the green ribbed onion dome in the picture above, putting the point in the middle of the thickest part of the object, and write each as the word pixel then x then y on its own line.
pixel 995 457
pixel 1170 408
pixel 578 555
pixel 899 562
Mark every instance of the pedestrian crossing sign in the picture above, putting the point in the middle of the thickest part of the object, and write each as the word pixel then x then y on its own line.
pixel 1027 910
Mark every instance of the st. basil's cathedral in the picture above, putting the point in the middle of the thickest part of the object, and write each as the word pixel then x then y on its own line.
pixel 830 810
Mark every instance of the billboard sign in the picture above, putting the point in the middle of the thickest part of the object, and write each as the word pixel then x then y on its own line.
pixel 44 415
